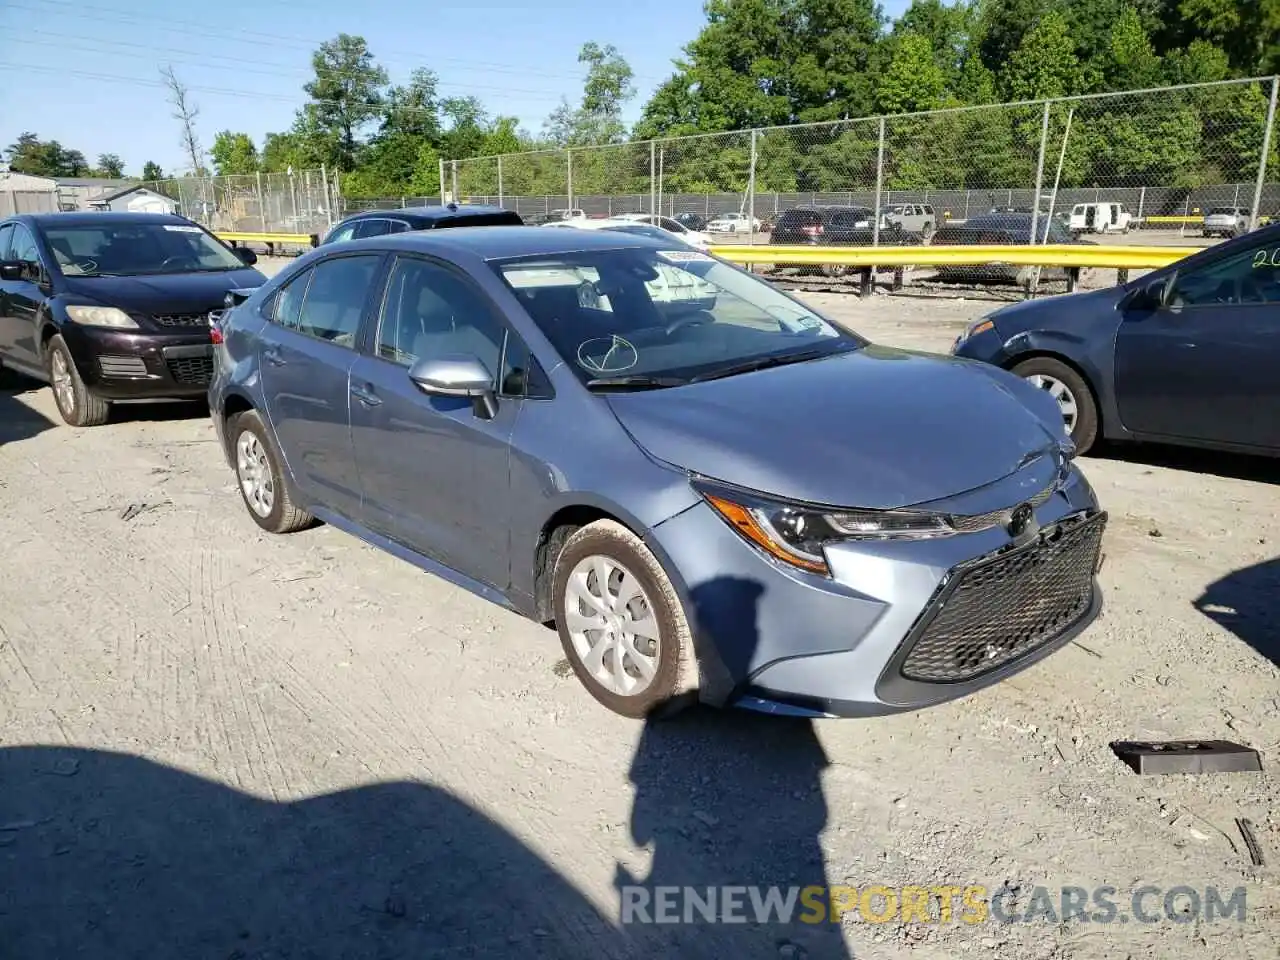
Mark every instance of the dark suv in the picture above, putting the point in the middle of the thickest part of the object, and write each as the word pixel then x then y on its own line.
pixel 375 223
pixel 114 306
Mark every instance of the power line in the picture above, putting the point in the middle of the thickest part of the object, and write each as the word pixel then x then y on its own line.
pixel 292 72
pixel 277 40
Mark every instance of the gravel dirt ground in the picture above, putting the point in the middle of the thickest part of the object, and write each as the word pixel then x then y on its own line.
pixel 218 743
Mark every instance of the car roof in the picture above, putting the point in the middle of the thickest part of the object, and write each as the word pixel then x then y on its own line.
pixel 505 242
pixel 430 214
pixel 91 217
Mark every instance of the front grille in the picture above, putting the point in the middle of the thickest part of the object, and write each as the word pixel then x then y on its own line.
pixel 182 319
pixel 985 521
pixel 195 371
pixel 1002 607
pixel 122 366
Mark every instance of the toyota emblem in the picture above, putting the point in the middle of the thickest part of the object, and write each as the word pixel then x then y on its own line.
pixel 1020 519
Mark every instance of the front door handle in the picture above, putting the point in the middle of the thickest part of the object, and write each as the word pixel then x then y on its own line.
pixel 274 357
pixel 365 395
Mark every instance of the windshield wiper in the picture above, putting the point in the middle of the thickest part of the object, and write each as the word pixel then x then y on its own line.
pixel 761 363
pixel 634 382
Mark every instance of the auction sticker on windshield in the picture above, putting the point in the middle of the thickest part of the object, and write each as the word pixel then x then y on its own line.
pixel 181 228
pixel 684 256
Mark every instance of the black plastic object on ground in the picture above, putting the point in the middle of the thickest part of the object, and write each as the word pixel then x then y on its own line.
pixel 1187 756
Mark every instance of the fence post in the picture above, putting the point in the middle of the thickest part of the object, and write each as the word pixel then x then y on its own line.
pixel 328 203
pixel 1142 199
pixel 500 180
pixel 1266 148
pixel 568 159
pixel 442 181
pixel 455 181
pixel 1044 139
pixel 751 191
pixel 662 163
pixel 262 205
pixel 653 175
pixel 875 220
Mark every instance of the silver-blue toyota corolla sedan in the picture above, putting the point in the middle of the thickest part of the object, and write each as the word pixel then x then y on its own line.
pixel 712 490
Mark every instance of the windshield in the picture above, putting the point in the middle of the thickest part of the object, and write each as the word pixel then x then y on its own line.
pixel 643 314
pixel 134 249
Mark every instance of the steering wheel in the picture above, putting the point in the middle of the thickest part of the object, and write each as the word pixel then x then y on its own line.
pixel 176 261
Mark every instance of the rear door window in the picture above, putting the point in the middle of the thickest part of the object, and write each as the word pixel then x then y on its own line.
pixel 336 297
pixel 372 228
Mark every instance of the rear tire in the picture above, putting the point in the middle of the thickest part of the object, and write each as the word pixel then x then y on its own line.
pixel 76 405
pixel 1050 374
pixel 261 478
pixel 609 593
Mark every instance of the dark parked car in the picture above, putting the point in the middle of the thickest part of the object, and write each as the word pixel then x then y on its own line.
pixel 113 306
pixel 741 501
pixel 1187 354
pixel 1002 229
pixel 835 226
pixel 376 223
pixel 691 221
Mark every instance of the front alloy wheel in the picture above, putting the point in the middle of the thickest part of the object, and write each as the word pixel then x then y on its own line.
pixel 621 624
pixel 1069 390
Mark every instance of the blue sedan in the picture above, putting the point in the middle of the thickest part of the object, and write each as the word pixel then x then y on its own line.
pixel 1185 355
pixel 713 491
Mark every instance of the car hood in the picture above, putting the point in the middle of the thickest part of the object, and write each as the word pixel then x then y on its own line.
pixel 1026 314
pixel 876 428
pixel 171 293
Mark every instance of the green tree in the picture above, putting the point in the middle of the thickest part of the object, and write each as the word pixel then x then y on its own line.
pixel 44 158
pixel 1045 63
pixel 346 95
pixel 1131 63
pixel 234 153
pixel 466 128
pixel 912 80
pixel 110 165
pixel 281 151
pixel 1199 62
pixel 1248 31
pixel 946 27
pixel 606 90
pixel 388 164
pixel 1002 25
pixel 151 171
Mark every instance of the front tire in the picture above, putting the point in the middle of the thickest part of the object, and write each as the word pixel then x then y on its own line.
pixel 621 624
pixel 76 405
pixel 260 476
pixel 1068 388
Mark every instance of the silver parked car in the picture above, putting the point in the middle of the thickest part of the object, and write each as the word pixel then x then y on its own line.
pixel 913 218
pixel 725 497
pixel 1226 222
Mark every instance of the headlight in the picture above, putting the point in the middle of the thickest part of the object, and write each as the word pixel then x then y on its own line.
pixel 797 535
pixel 101 317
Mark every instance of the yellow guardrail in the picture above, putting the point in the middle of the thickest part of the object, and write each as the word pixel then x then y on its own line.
pixel 271 239
pixel 1046 255
pixel 1194 219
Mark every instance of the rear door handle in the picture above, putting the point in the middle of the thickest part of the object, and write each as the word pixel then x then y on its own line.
pixel 365 395
pixel 273 356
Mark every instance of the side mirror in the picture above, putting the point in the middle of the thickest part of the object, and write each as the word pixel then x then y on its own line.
pixel 11 270
pixel 457 375
pixel 247 256
pixel 1149 296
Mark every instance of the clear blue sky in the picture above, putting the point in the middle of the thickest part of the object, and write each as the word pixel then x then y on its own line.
pixel 97 89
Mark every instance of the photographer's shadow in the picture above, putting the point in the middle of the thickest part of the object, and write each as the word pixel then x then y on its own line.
pixel 729 798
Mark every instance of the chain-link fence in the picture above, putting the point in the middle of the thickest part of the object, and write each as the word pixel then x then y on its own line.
pixel 300 202
pixel 1157 159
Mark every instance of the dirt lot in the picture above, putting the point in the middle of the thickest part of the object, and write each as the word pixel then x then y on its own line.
pixel 216 743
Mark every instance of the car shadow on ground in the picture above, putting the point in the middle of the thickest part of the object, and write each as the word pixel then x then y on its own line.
pixel 159 412
pixel 730 798
pixel 1247 602
pixel 1232 466
pixel 108 855
pixel 17 420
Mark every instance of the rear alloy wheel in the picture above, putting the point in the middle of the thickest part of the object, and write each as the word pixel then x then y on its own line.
pixel 621 624
pixel 261 478
pixel 1072 394
pixel 77 406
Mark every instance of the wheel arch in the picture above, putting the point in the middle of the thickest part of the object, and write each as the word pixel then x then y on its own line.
pixel 1042 352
